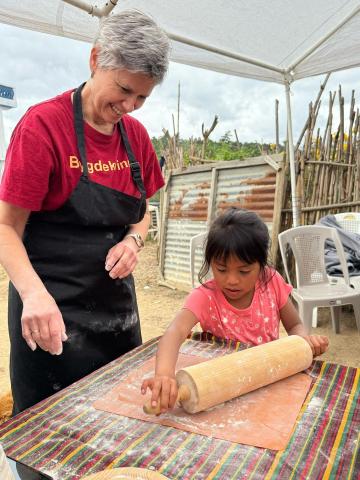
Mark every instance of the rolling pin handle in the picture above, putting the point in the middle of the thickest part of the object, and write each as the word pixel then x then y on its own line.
pixel 183 394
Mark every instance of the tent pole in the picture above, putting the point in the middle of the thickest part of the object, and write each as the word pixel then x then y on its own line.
pixel 318 44
pixel 294 199
pixel 221 51
pixel 93 9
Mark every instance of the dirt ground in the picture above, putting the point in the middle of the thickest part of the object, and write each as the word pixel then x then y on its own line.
pixel 158 304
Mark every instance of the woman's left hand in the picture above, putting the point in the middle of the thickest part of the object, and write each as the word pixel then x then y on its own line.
pixel 318 343
pixel 122 258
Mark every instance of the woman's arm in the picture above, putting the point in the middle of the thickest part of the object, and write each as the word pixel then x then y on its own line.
pixel 123 257
pixel 41 319
pixel 163 384
pixel 294 326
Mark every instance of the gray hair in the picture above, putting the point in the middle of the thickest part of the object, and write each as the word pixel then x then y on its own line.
pixel 132 41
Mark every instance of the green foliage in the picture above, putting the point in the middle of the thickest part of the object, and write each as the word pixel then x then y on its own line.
pixel 158 144
pixel 224 149
pixel 226 138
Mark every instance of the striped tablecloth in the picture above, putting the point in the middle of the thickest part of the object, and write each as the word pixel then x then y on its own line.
pixel 65 437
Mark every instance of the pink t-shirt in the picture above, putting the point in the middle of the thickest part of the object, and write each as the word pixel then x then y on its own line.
pixel 257 324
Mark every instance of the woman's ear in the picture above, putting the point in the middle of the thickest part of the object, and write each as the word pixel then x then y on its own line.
pixel 93 60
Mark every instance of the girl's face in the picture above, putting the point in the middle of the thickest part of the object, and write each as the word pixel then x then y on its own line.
pixel 236 279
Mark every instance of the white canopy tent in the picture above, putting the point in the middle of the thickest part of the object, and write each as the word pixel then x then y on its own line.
pixel 276 41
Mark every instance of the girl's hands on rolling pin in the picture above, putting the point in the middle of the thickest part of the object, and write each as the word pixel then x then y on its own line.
pixel 318 343
pixel 42 322
pixel 164 390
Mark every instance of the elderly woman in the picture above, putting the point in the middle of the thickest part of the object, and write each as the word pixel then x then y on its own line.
pixel 73 214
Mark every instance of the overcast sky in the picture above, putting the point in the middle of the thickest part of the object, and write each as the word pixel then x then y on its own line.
pixel 40 66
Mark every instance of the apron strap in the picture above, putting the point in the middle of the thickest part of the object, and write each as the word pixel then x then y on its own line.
pixel 79 128
pixel 80 138
pixel 134 164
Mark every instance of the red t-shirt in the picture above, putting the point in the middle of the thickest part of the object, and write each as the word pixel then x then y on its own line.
pixel 43 167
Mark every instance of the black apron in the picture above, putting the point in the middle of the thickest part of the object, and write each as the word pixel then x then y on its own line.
pixel 67 248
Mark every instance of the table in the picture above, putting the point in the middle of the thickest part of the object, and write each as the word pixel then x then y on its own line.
pixel 66 438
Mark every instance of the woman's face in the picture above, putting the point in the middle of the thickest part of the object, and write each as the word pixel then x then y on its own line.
pixel 113 93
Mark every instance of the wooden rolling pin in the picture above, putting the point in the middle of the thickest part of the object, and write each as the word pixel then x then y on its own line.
pixel 125 473
pixel 210 383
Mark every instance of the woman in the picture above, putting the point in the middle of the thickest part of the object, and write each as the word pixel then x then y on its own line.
pixel 73 214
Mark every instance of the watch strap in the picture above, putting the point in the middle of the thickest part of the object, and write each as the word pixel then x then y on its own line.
pixel 137 238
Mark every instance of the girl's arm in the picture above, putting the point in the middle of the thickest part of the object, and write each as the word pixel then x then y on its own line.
pixel 294 326
pixel 163 384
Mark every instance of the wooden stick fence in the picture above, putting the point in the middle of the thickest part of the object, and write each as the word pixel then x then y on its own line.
pixel 327 164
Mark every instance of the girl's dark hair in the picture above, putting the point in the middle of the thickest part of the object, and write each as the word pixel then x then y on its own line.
pixel 240 233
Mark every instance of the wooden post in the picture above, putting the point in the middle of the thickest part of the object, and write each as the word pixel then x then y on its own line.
pixel 277 143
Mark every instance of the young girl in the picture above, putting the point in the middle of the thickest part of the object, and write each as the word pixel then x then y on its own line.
pixel 244 302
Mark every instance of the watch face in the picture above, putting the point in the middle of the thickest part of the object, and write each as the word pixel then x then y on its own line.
pixel 139 241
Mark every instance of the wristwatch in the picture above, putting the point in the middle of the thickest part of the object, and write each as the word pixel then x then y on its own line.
pixel 138 240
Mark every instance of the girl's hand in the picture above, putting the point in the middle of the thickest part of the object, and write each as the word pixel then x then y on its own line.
pixel 318 343
pixel 42 322
pixel 164 390
pixel 122 258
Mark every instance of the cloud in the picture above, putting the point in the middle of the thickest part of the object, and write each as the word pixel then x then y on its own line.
pixel 40 66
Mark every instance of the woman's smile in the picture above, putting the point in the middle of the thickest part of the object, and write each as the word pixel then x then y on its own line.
pixel 116 110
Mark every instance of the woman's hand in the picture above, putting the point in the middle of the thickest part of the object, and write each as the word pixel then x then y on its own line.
pixel 42 322
pixel 318 343
pixel 122 258
pixel 164 389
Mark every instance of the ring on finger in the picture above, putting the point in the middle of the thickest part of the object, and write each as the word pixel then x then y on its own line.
pixel 34 331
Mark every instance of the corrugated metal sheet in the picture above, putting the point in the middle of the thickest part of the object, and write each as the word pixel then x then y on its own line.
pixel 196 195
pixel 251 187
pixel 177 250
pixel 188 196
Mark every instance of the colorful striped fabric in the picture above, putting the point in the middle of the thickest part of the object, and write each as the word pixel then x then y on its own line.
pixel 65 437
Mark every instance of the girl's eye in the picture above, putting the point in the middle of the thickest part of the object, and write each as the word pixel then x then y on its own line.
pixel 221 270
pixel 244 272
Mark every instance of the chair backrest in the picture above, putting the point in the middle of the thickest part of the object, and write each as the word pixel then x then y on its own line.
pixel 196 242
pixel 154 222
pixel 308 247
pixel 349 221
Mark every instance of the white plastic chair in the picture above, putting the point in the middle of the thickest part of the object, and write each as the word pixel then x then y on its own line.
pixel 314 288
pixel 195 242
pixel 350 222
pixel 154 222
